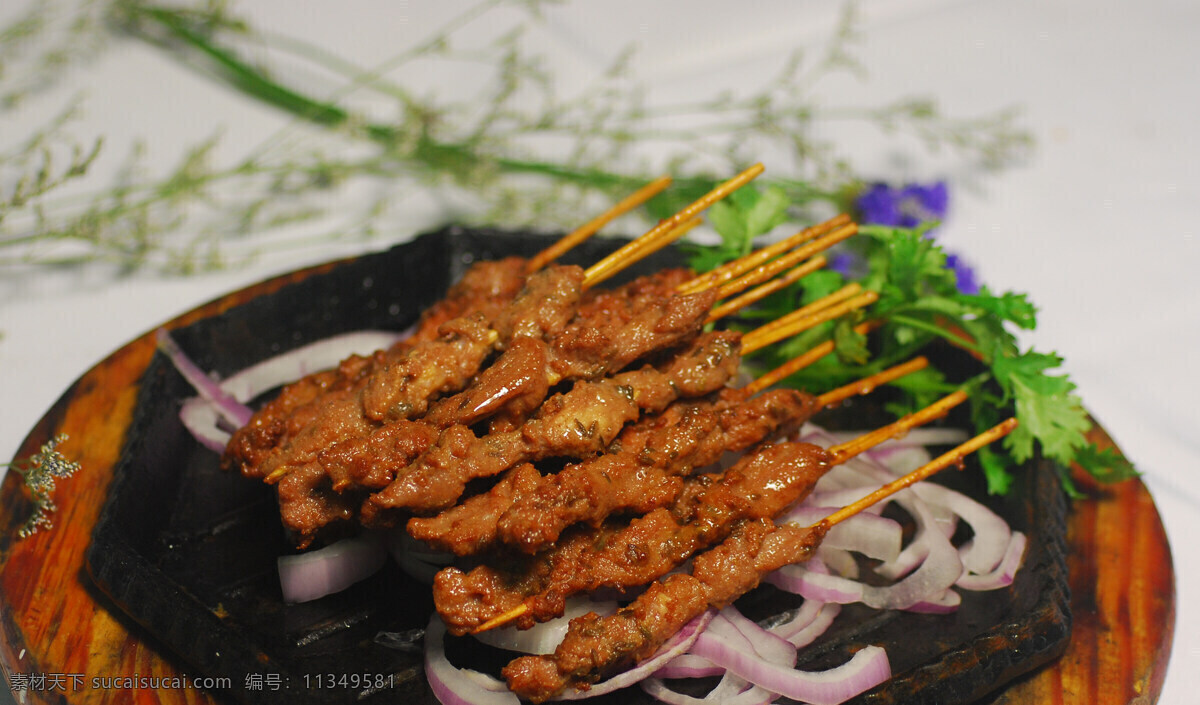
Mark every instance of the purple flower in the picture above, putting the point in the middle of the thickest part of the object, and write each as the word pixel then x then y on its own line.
pixel 848 264
pixel 906 207
pixel 964 274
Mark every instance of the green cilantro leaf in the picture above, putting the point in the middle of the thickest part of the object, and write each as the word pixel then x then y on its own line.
pixel 995 470
pixel 1105 465
pixel 919 301
pixel 1046 408
pixel 1007 307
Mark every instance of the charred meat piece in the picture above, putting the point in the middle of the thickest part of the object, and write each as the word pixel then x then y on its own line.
pixel 642 471
pixel 602 340
pixel 706 365
pixel 348 405
pixel 339 414
pixel 370 461
pixel 404 388
pixel 609 332
pixel 596 645
pixel 576 424
pixel 620 556
pixel 629 481
pixel 486 287
pixel 289 412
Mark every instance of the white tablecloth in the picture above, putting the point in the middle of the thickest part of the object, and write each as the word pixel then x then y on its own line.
pixel 1098 226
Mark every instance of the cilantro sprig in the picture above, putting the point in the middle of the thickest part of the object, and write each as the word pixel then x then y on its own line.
pixel 920 302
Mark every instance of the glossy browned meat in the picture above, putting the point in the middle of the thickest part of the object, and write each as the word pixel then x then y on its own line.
pixel 324 409
pixel 486 287
pixel 576 424
pixel 595 645
pixel 405 386
pixel 641 472
pixel 288 413
pixel 308 504
pixel 370 461
pixel 760 485
pixel 600 341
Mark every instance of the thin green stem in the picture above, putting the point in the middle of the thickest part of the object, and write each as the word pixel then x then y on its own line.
pixel 933 329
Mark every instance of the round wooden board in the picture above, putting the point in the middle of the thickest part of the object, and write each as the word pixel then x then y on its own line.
pixel 59 635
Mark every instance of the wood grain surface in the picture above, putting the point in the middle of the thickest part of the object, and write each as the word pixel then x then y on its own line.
pixel 58 633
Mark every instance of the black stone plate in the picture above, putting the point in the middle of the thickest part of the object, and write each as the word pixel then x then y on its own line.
pixel 188 551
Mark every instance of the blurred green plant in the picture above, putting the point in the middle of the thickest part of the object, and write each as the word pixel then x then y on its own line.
pixel 481 145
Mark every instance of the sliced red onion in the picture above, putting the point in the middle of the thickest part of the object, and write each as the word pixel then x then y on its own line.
pixel 873 536
pixel 991 534
pixel 908 561
pixel 930 517
pixel 867 669
pixel 221 405
pixel 545 637
pixel 944 603
pixel 313 574
pixel 823 587
pixel 201 420
pixel 736 627
pixel 416 559
pixel 839 561
pixel 901 458
pixel 938 570
pixel 730 691
pixel 804 632
pixel 1004 573
pixel 689 666
pixel 225 404
pixel 322 354
pixel 452 685
pixel 829 497
pixel 733 630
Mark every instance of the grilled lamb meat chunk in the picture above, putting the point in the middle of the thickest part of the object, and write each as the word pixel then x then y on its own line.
pixel 596 645
pixel 759 486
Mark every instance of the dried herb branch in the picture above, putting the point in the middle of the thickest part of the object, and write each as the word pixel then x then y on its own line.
pixel 482 147
pixel 41 471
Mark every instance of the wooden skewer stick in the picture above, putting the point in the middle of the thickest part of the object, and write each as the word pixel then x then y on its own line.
pixel 501 619
pixel 801 319
pixel 800 362
pixel 952 457
pixel 734 269
pixel 897 429
pixel 868 384
pixel 601 270
pixel 591 227
pixel 766 271
pixel 645 249
pixel 848 291
pixel 762 291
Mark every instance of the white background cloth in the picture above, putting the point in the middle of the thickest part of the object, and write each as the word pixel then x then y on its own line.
pixel 1098 227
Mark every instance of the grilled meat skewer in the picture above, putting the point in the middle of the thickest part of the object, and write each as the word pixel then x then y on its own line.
pixel 760 485
pixel 273 443
pixel 575 424
pixel 594 645
pixel 642 470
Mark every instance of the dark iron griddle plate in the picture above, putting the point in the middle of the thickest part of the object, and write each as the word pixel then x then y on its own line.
pixel 188 551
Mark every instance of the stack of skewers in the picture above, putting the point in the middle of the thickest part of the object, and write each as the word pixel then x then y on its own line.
pixel 558 438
